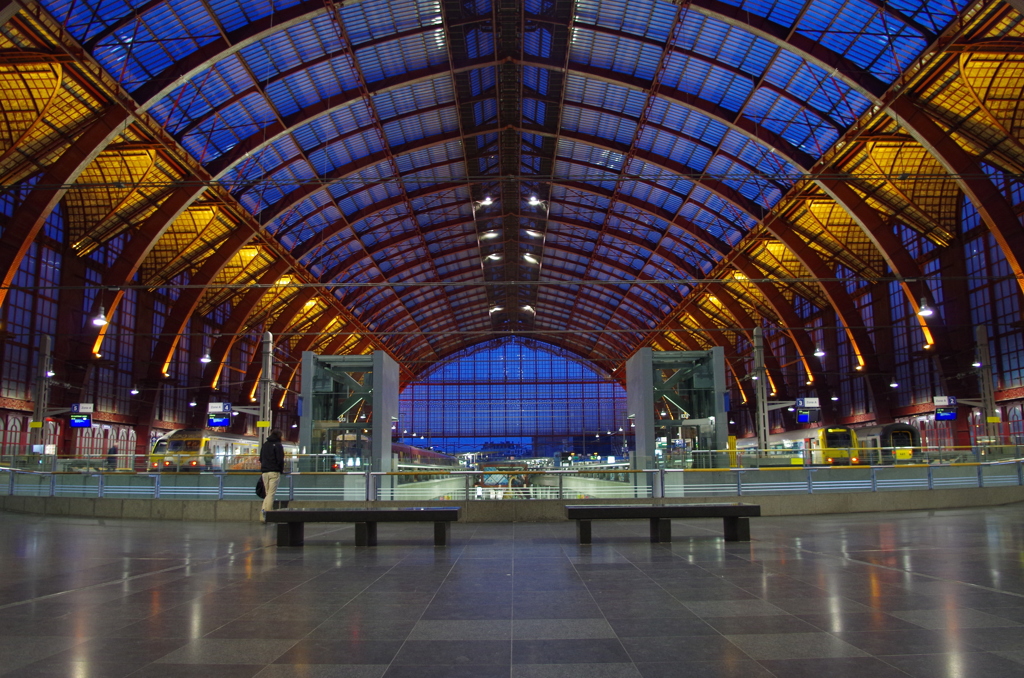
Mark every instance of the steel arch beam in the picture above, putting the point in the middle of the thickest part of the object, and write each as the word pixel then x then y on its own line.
pixel 28 219
pixel 282 323
pixel 995 210
pixel 240 313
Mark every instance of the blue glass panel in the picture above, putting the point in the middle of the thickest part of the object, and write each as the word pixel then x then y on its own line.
pixel 399 101
pixel 341 123
pixel 395 57
pixel 664 179
pixel 146 47
pixel 687 152
pixel 881 43
pixel 372 19
pixel 645 18
pixel 86 19
pixel 537 41
pixel 709 82
pixel 754 154
pixel 797 125
pixel 808 83
pixel 479 43
pixel 481 80
pixel 217 135
pixel 618 53
pixel 933 14
pixel 536 79
pixel 485 112
pixel 534 111
pixel 756 188
pixel 301 43
pixel 674 116
pixel 201 95
pixel 629 102
pixel 413 128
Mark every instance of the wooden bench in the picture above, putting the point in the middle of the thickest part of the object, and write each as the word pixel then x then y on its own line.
pixel 734 516
pixel 291 522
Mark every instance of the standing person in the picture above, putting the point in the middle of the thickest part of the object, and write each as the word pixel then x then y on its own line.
pixel 112 458
pixel 272 466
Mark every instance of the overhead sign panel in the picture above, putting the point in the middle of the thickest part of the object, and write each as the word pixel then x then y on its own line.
pixel 81 420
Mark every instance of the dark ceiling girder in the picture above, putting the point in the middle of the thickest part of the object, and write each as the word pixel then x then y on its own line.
pixel 995 210
pixel 240 313
pixel 142 241
pixel 8 8
pixel 709 327
pixel 28 219
pixel 281 323
pixel 681 264
pixel 719 188
pixel 188 301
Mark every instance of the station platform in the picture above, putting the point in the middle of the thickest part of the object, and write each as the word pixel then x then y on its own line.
pixel 936 594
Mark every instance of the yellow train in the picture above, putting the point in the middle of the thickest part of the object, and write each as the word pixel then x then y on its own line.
pixel 843 445
pixel 194 450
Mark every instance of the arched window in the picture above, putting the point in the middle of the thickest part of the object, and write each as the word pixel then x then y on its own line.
pixel 1016 424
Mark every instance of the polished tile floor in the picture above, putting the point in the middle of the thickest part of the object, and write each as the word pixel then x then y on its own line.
pixel 927 594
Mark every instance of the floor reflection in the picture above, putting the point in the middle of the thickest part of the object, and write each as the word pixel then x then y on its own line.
pixel 930 594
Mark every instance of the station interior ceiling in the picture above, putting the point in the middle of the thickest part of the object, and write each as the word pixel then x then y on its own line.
pixel 427 176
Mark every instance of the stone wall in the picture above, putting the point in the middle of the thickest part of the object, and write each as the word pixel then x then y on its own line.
pixel 522 510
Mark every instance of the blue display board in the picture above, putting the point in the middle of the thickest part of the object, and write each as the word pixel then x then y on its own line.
pixel 81 421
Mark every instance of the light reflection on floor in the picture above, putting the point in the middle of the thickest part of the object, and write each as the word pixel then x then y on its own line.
pixel 932 594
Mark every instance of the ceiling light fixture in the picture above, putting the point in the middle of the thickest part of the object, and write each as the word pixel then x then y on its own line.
pixel 529 309
pixel 494 257
pixel 488 235
pixel 487 201
pixel 495 309
pixel 534 200
pixel 925 310
pixel 101 318
pixel 532 233
pixel 206 358
pixel 135 390
pixel 976 363
pixel 818 353
pixel 529 258
pixel 894 384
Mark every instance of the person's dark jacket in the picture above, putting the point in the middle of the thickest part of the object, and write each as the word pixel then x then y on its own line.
pixel 272 455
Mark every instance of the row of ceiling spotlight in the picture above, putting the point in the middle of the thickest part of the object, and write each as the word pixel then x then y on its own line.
pixel 532 201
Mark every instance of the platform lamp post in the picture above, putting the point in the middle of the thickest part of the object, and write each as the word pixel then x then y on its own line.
pixel 760 392
pixel 264 412
pixel 44 370
pixel 987 388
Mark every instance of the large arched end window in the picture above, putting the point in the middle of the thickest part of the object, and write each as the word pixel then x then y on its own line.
pixel 526 397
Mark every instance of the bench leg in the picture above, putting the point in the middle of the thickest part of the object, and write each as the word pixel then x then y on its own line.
pixel 366 534
pixel 442 532
pixel 737 529
pixel 290 534
pixel 661 530
pixel 583 531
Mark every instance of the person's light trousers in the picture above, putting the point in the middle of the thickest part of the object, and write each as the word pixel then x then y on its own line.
pixel 270 481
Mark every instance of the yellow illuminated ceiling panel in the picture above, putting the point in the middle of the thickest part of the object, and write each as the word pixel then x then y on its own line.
pixel 997 82
pixel 182 244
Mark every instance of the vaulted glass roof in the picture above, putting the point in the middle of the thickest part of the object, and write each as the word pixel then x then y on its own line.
pixel 542 165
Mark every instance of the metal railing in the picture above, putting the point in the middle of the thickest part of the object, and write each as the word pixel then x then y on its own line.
pixel 470 485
